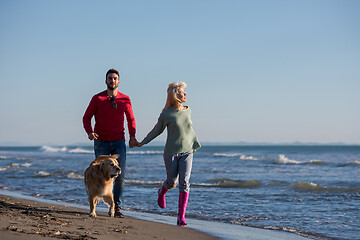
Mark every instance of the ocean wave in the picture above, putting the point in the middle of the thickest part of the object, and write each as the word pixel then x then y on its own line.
pixel 19 165
pixel 312 187
pixel 309 186
pixel 223 182
pixel 230 183
pixel 80 150
pixel 301 185
pixel 12 157
pixel 73 175
pixel 14 165
pixel 49 149
pixel 282 159
pixel 142 182
pixel 53 149
pixel 355 163
pixel 42 173
pixel 238 155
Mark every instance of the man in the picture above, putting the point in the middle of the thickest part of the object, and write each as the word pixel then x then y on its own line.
pixel 109 108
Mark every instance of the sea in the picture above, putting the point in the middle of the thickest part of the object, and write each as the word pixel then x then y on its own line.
pixel 312 190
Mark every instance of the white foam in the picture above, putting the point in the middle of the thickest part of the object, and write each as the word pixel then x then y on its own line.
pixel 81 150
pixel 73 175
pixel 13 165
pixel 283 159
pixel 239 155
pixel 19 165
pixel 355 163
pixel 243 157
pixel 141 182
pixel 316 161
pixel 43 173
pixel 53 149
pixel 2 169
pixel 205 184
pixel 308 186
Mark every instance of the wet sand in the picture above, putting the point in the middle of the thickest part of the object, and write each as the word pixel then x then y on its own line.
pixel 27 219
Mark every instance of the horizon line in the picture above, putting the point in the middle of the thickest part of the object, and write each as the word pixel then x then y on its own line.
pixel 205 143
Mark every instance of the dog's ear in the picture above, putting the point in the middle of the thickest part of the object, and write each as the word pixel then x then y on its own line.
pixel 99 159
pixel 115 156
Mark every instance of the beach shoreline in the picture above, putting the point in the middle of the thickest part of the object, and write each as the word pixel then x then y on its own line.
pixel 26 217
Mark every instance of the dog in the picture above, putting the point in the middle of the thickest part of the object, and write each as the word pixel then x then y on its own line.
pixel 99 178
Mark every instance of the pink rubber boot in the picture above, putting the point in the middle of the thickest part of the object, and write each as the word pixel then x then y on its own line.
pixel 183 201
pixel 161 197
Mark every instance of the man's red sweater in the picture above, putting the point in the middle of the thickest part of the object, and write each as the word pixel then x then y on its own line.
pixel 109 121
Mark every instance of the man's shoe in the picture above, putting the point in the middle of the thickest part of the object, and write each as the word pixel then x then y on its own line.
pixel 118 214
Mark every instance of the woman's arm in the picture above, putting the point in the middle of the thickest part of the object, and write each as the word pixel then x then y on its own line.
pixel 156 131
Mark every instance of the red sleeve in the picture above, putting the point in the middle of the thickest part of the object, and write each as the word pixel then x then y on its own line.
pixel 130 120
pixel 89 113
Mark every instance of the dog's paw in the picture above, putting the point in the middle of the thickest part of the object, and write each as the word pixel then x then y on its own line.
pixel 92 215
pixel 111 213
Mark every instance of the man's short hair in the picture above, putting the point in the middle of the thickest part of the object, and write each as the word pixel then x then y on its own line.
pixel 112 71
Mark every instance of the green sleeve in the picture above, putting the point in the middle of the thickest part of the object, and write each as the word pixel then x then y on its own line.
pixel 157 130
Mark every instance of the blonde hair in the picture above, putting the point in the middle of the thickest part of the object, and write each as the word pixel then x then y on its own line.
pixel 172 100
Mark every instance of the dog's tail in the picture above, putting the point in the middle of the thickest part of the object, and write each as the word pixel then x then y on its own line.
pixel 101 158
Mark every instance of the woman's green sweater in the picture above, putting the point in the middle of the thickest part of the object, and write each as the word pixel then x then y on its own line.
pixel 181 137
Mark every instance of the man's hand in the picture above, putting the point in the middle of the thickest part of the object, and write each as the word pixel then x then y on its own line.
pixel 93 136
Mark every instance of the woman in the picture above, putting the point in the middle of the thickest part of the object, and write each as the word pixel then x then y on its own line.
pixel 180 145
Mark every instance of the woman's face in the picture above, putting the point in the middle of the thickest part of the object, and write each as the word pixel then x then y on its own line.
pixel 181 95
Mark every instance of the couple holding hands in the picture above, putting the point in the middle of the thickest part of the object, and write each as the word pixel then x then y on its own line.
pixel 109 108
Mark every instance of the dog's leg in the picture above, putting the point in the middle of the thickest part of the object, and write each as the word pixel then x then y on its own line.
pixel 93 202
pixel 92 208
pixel 110 202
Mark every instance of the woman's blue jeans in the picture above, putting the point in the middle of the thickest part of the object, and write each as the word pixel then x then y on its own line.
pixel 111 148
pixel 178 170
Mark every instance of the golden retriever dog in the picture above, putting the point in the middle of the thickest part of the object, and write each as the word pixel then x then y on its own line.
pixel 99 178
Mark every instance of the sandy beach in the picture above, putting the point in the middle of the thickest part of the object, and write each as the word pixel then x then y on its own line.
pixel 26 219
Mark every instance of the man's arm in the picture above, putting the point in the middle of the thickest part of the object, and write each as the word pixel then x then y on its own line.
pixel 89 113
pixel 131 126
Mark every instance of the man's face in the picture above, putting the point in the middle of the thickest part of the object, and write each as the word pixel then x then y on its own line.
pixel 112 81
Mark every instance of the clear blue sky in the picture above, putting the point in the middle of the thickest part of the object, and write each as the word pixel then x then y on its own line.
pixel 257 71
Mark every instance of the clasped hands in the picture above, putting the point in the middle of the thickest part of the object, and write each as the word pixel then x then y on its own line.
pixel 134 143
